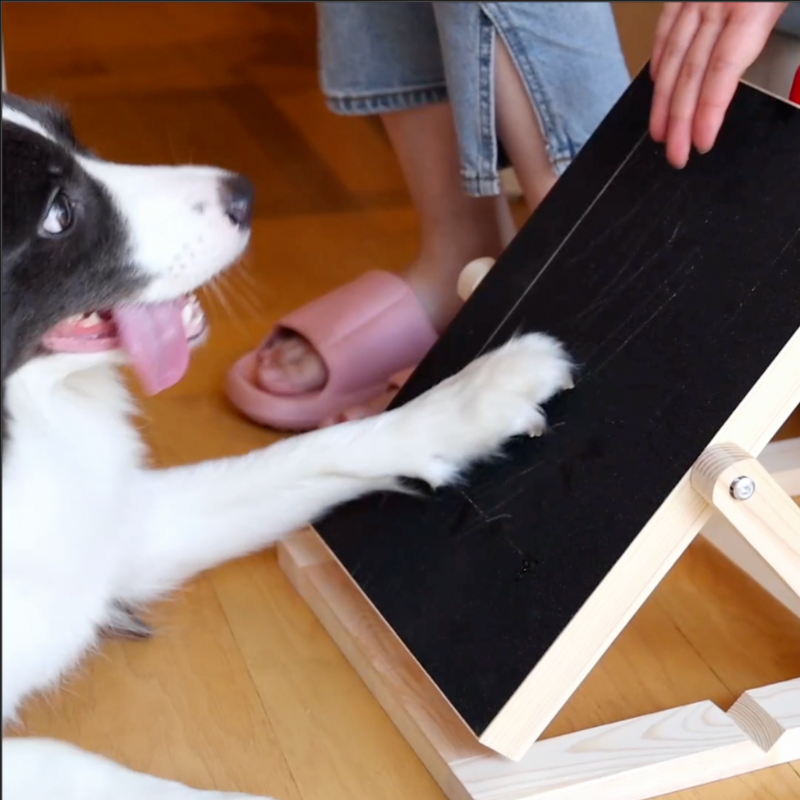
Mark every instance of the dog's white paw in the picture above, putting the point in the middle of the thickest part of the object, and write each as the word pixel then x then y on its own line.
pixel 496 397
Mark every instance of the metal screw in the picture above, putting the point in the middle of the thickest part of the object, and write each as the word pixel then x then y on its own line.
pixel 743 488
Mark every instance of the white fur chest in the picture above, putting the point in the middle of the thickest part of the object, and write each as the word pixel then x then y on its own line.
pixel 68 466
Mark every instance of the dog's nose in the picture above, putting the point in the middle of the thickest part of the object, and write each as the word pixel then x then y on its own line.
pixel 237 195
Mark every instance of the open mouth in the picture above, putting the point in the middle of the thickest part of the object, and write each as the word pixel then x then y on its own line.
pixel 156 336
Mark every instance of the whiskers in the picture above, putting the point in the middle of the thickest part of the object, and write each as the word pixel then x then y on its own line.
pixel 177 162
pixel 235 294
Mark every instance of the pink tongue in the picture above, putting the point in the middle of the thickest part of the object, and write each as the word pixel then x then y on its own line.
pixel 154 337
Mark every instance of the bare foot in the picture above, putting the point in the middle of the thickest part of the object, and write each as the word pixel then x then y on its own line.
pixel 290 365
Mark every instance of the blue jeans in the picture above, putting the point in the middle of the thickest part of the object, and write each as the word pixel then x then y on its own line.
pixel 378 57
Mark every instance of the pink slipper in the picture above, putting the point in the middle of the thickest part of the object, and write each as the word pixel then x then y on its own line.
pixel 366 332
pixel 468 281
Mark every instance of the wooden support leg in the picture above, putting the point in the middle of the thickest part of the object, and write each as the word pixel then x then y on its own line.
pixel 782 460
pixel 739 487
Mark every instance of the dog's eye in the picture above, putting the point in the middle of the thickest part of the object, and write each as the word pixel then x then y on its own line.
pixel 58 217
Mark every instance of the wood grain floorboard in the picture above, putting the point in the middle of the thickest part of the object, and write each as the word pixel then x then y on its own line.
pixel 242 689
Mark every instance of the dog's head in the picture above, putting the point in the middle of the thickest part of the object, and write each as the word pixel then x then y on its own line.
pixel 100 259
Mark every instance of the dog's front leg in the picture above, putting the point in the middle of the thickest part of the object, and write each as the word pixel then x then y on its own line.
pixel 187 519
pixel 45 769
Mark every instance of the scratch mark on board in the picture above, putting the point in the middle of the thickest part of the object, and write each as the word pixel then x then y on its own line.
pixel 567 238
pixel 528 561
pixel 635 332
pixel 623 278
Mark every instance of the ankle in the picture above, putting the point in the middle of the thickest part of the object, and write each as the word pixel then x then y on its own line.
pixel 484 228
pixel 441 303
pixel 435 283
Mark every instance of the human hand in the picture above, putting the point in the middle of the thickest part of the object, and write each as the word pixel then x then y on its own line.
pixel 701 51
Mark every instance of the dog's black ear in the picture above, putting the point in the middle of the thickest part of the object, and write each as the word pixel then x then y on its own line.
pixel 52 116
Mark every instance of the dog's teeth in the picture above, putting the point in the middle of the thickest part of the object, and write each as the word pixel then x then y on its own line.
pixel 90 320
pixel 187 314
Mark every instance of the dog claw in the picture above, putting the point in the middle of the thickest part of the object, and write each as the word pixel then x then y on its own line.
pixel 537 429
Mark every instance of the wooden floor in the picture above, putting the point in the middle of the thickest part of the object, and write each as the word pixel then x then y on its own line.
pixel 242 689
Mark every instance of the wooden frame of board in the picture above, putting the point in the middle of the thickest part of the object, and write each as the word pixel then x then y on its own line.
pixel 630 760
pixel 740 505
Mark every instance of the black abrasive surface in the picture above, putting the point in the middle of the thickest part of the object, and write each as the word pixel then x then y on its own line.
pixel 674 290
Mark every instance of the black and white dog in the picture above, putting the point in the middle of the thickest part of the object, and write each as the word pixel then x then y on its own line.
pixel 99 262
